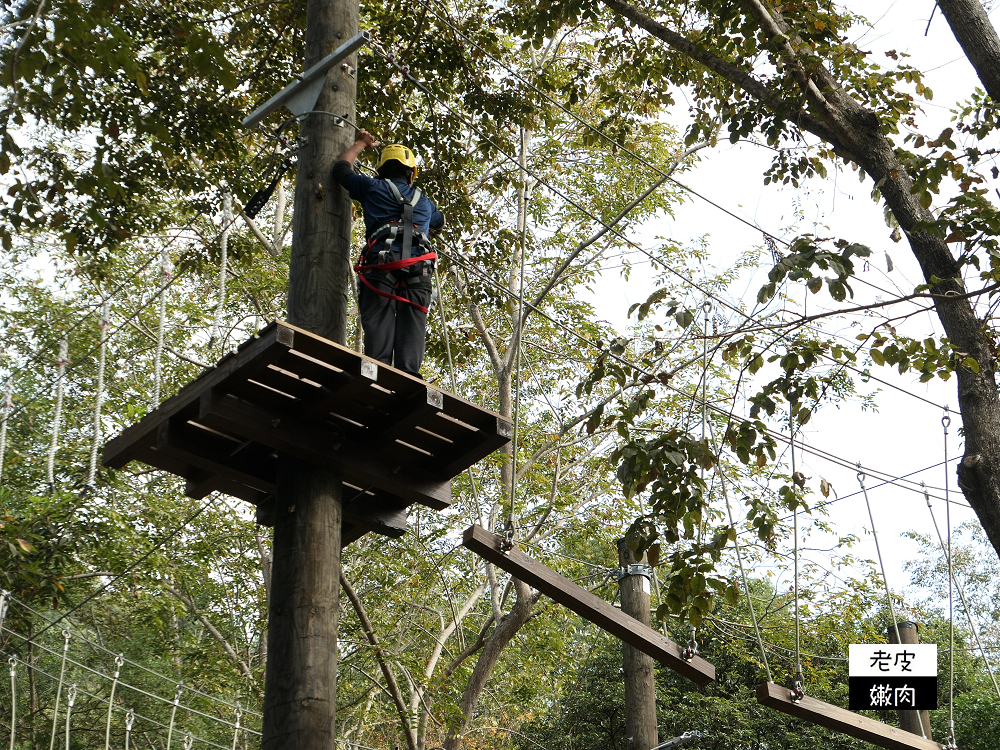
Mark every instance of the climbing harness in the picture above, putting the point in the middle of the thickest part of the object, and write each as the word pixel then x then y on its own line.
pixel 404 232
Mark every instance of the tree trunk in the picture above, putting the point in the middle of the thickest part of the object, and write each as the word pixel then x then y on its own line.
pixel 978 39
pixel 505 630
pixel 300 697
pixel 640 683
pixel 300 692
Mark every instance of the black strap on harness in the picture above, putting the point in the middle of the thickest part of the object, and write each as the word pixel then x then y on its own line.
pixel 407 217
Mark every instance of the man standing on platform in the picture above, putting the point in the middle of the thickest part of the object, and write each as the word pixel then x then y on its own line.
pixel 397 263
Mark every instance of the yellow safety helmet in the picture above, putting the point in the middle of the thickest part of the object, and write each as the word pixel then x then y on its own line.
pixel 401 154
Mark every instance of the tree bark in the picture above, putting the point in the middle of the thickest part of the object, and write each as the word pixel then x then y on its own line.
pixel 855 134
pixel 300 694
pixel 640 683
pixel 978 39
pixel 505 630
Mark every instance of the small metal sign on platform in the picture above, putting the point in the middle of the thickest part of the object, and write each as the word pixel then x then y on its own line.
pixel 890 676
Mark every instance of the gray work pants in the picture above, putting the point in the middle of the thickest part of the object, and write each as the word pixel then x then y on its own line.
pixel 395 332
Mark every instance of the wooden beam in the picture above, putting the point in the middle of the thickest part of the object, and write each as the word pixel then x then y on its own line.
pixel 254 355
pixel 381 515
pixel 311 443
pixel 841 720
pixel 587 605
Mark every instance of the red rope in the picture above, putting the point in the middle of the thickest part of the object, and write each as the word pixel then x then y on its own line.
pixel 394 266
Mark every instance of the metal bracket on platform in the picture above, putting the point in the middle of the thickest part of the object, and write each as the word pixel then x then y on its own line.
pixel 300 95
pixel 634 570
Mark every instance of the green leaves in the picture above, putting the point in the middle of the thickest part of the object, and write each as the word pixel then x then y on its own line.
pixel 806 254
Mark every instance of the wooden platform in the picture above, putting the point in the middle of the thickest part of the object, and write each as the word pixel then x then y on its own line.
pixel 393 438
pixel 842 720
pixel 587 605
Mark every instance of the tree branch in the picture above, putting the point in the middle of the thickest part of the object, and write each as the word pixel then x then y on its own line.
pixel 477 321
pixel 211 629
pixel 607 227
pixel 788 110
pixel 390 677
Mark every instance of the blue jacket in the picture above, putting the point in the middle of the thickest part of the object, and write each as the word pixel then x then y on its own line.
pixel 380 205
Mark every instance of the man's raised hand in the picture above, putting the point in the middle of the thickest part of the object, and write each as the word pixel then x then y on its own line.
pixel 366 138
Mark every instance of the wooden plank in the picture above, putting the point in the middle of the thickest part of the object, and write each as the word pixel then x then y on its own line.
pixel 479 446
pixel 587 605
pixel 258 353
pixel 390 378
pixel 291 436
pixel 841 720
pixel 211 453
pixel 383 516
pixel 417 409
pixel 202 483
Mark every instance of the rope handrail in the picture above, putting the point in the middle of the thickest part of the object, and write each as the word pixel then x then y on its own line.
pixel 123 684
pixel 144 668
pixel 98 698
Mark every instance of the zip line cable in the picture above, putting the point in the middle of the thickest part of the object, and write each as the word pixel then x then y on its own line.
pixel 945 424
pixel 405 71
pixel 618 145
pixel 973 626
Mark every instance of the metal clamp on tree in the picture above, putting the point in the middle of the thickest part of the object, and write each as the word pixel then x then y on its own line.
pixel 634 570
